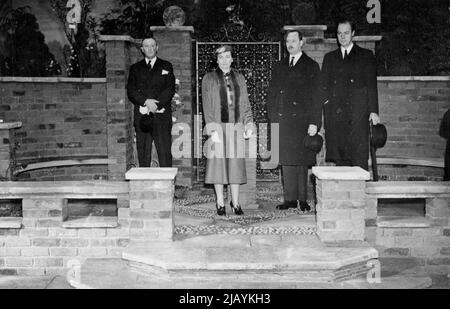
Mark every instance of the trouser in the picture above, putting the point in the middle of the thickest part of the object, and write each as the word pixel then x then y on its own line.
pixel 161 134
pixel 352 149
pixel 295 182
pixel 447 163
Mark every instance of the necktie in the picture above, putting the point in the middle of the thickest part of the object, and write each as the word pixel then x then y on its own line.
pixel 291 64
pixel 149 65
pixel 345 55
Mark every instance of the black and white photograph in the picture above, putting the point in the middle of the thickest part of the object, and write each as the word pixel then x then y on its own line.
pixel 225 152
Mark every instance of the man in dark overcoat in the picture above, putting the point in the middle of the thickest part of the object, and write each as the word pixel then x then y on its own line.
pixel 444 131
pixel 349 79
pixel 295 103
pixel 151 87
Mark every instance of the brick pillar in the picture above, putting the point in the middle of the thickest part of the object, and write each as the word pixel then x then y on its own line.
pixel 151 203
pixel 119 110
pixel 175 46
pixel 438 210
pixel 7 147
pixel 340 203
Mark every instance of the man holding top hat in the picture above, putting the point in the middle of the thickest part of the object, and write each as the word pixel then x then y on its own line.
pixel 295 102
pixel 349 79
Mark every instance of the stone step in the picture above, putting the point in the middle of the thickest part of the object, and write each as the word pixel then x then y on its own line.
pixel 251 258
pixel 117 274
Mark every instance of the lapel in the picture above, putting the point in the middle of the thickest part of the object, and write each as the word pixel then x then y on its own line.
pixel 156 67
pixel 155 71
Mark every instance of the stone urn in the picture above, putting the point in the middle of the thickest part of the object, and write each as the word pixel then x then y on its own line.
pixel 174 16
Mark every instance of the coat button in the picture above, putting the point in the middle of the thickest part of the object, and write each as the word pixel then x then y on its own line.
pixel 335 82
pixel 280 114
pixel 295 103
pixel 352 81
pixel 281 91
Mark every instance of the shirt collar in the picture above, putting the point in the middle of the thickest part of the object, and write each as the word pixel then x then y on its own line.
pixel 152 61
pixel 296 57
pixel 349 49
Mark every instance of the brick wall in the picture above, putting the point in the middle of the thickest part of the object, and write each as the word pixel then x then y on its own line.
pixel 41 244
pixel 412 109
pixel 60 120
pixel 45 239
pixel 430 247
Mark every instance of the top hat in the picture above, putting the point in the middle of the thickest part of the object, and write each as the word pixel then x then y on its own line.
pixel 313 143
pixel 378 135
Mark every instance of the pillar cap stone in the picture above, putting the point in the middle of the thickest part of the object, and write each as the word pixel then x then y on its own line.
pixel 120 38
pixel 340 173
pixel 10 125
pixel 151 174
pixel 305 27
pixel 173 28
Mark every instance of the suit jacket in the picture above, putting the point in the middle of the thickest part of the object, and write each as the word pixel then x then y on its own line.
pixel 157 83
pixel 350 88
pixel 295 101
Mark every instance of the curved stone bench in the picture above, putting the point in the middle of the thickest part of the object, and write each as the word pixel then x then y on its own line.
pixel 397 160
pixel 59 163
pixel 435 193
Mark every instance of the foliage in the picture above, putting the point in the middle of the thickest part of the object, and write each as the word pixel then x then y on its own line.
pixel 416 38
pixel 416 33
pixel 26 51
pixel 133 17
pixel 85 57
pixel 304 14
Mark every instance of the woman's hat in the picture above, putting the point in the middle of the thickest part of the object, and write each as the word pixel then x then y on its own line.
pixel 223 49
pixel 313 143
pixel 378 136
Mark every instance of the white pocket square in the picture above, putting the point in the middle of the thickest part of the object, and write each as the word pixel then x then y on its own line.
pixel 164 72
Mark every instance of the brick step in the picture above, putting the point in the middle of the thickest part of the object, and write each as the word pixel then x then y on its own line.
pixel 117 274
pixel 251 258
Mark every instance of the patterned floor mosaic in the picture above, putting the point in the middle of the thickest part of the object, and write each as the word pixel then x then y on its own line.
pixel 200 205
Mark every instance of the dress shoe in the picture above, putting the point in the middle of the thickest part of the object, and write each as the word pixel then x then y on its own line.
pixel 221 210
pixel 236 209
pixel 304 206
pixel 287 205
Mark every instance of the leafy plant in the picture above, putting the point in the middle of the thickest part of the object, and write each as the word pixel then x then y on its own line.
pixel 85 56
pixel 25 51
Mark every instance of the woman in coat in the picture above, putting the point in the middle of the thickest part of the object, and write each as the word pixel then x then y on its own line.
pixel 229 121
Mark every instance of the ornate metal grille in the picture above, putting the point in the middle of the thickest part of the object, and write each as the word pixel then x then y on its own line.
pixel 255 61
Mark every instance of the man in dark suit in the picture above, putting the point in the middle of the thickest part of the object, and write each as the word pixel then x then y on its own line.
pixel 151 86
pixel 349 79
pixel 295 103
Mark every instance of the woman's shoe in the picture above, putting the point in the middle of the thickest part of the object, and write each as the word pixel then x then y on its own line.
pixel 236 209
pixel 220 210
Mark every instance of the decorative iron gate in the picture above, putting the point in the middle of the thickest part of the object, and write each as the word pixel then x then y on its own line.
pixel 255 61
